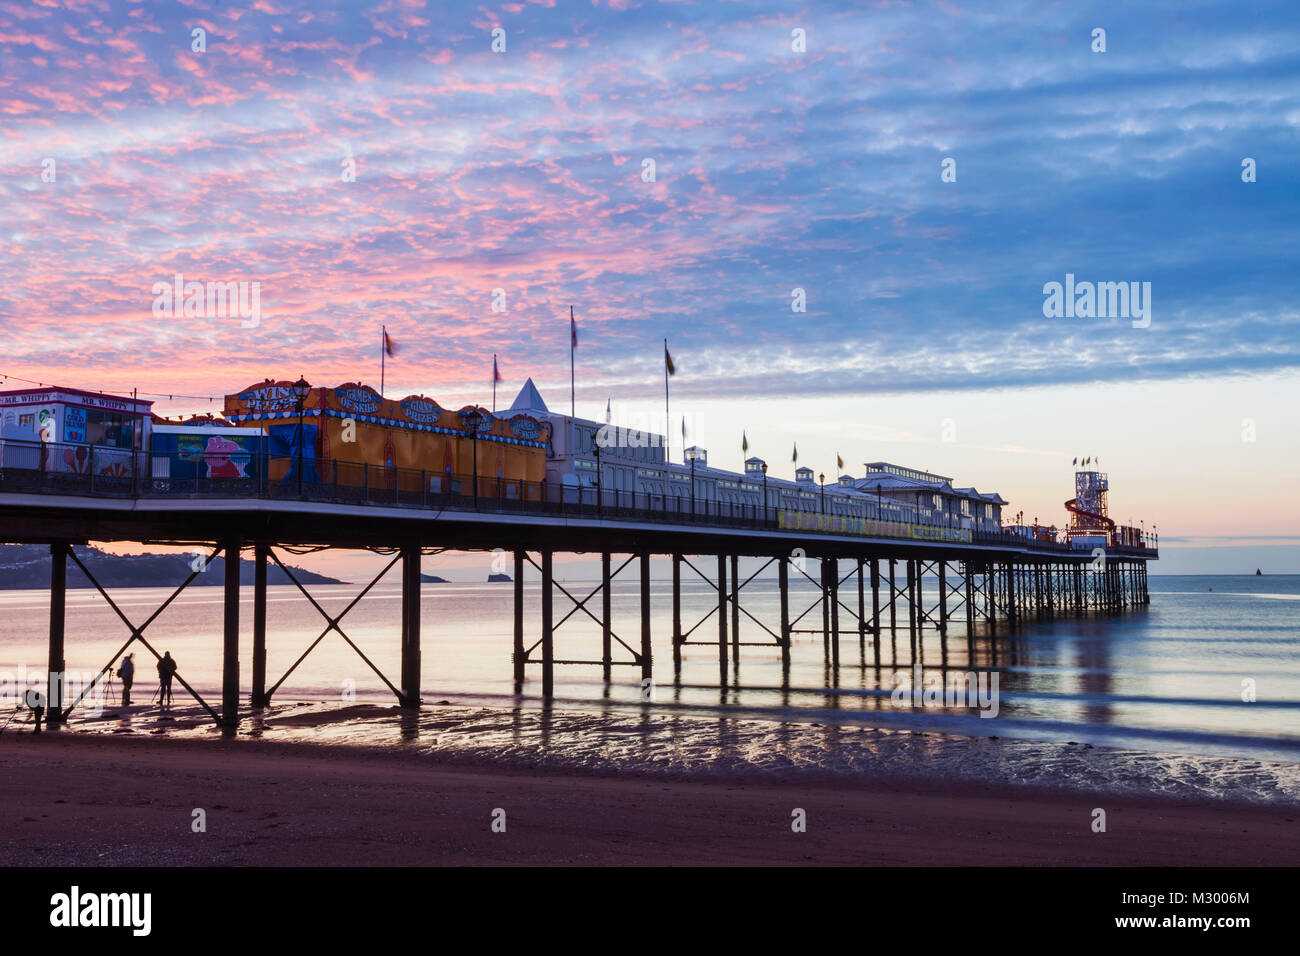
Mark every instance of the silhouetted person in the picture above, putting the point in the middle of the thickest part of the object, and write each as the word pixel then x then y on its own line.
pixel 166 668
pixel 127 673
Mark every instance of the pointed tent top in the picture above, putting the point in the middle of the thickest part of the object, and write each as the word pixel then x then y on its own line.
pixel 529 399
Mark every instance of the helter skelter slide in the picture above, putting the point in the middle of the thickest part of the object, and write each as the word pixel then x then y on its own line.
pixel 1088 507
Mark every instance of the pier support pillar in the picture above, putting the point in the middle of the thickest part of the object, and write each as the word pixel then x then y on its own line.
pixel 912 622
pixel 261 552
pixel 230 638
pixel 893 599
pixel 411 626
pixel 833 580
pixel 875 607
pixel 735 610
pixel 548 627
pixel 722 620
pixel 1013 610
pixel 918 597
pixel 677 617
pixel 862 611
pixel 783 586
pixel 826 612
pixel 606 642
pixel 518 656
pixel 968 580
pixel 943 597
pixel 58 615
pixel 647 660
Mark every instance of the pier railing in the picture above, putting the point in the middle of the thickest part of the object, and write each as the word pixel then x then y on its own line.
pixel 51 468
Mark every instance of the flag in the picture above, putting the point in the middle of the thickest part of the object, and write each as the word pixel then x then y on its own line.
pixel 839 462
pixel 1075 462
pixel 744 444
pixel 608 414
pixel 573 330
pixel 668 361
pixel 795 459
pixel 683 431
pixel 390 347
pixel 496 372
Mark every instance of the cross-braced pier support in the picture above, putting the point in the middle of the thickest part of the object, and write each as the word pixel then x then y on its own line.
pixel 986 590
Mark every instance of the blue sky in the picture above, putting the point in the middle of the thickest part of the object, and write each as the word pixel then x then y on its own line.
pixel 774 170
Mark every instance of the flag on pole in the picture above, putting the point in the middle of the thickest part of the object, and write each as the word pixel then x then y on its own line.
pixel 839 462
pixel 683 431
pixel 608 414
pixel 1075 462
pixel 744 444
pixel 496 377
pixel 390 347
pixel 573 329
pixel 795 459
pixel 668 360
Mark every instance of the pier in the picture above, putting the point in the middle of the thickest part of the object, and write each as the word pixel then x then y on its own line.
pixel 872 577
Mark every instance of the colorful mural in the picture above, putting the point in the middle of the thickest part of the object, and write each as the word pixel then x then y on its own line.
pixel 396 440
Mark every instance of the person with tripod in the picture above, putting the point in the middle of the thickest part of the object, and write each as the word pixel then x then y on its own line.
pixel 127 672
pixel 166 668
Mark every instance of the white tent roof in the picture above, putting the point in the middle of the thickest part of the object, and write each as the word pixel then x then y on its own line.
pixel 529 400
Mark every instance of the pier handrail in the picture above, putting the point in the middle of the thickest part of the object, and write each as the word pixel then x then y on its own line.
pixel 45 468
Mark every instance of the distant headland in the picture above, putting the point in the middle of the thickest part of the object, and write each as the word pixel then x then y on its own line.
pixel 27 566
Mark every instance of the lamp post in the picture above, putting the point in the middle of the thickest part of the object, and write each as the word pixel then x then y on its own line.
pixel 764 492
pixel 472 418
pixel 822 479
pixel 595 450
pixel 690 454
pixel 878 515
pixel 300 390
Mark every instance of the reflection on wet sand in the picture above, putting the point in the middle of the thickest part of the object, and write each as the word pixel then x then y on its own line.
pixel 660 742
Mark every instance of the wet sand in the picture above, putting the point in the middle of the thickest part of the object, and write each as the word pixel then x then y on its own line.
pixel 92 799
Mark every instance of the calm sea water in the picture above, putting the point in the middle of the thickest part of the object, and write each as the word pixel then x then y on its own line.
pixel 1164 679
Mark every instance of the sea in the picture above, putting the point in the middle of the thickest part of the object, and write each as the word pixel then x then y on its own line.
pixel 1196 695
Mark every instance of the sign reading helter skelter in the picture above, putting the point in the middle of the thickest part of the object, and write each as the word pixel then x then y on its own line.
pixel 352 435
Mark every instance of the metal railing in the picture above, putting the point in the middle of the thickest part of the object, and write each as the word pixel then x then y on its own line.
pixel 50 468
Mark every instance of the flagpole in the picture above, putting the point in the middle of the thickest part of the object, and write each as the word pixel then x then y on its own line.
pixel 494 383
pixel 573 405
pixel 668 428
pixel 383 337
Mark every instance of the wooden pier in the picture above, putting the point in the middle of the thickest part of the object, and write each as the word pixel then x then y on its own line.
pixel 865 586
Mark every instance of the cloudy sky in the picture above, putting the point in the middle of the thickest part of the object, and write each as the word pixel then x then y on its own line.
pixel 127 156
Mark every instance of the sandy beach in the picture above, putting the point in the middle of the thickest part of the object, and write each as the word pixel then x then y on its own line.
pixel 92 799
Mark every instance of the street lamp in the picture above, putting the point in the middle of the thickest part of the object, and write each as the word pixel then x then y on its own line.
pixel 300 390
pixel 765 492
pixel 878 515
pixel 690 454
pixel 595 450
pixel 822 479
pixel 472 418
